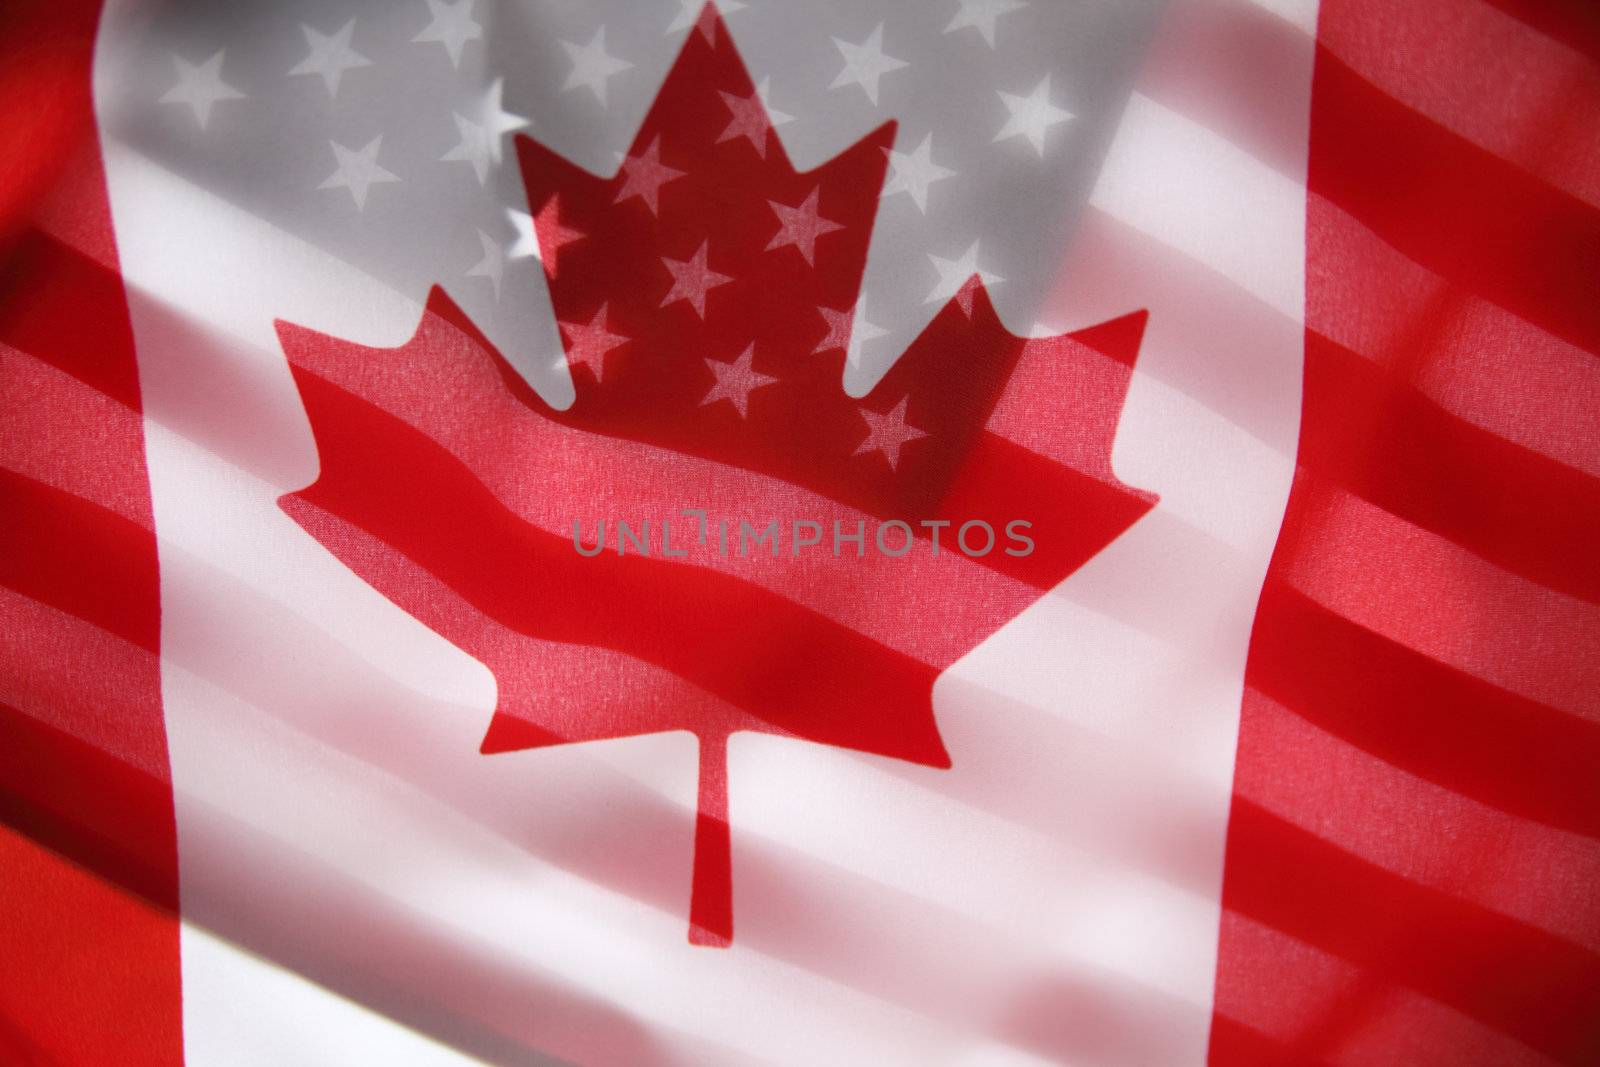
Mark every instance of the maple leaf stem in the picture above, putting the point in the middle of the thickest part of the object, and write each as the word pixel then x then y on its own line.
pixel 711 892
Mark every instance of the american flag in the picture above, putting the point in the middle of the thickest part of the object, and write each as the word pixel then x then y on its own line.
pixel 331 331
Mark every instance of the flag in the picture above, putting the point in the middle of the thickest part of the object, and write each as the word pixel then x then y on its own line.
pixel 977 532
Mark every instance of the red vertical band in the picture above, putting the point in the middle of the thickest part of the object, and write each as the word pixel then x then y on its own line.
pixel 1410 836
pixel 88 853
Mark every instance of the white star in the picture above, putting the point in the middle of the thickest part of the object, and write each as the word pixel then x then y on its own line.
pixel 692 279
pixel 801 226
pixel 887 433
pixel 953 277
pixel 912 172
pixel 199 86
pixel 588 343
pixel 749 121
pixel 643 176
pixel 752 117
pixel 838 335
pixel 452 26
pixel 774 116
pixel 982 14
pixel 492 265
pixel 481 135
pixel 735 380
pixel 495 119
pixel 592 65
pixel 473 147
pixel 1032 115
pixel 689 15
pixel 865 63
pixel 849 330
pixel 358 171
pixel 331 55
pixel 542 236
pixel 526 244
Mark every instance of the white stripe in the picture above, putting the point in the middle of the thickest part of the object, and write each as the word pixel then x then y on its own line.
pixel 309 1024
pixel 1184 185
pixel 1302 14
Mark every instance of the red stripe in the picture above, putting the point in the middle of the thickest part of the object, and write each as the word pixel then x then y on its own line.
pixel 1575 23
pixel 1424 717
pixel 1475 219
pixel 1476 54
pixel 1079 512
pixel 79 558
pixel 115 829
pixel 1072 497
pixel 813 683
pixel 1516 508
pixel 1517 979
pixel 83 422
pixel 1474 358
pixel 1244 1046
pixel 61 306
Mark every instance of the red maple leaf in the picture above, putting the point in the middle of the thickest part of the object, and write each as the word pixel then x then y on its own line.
pixel 704 296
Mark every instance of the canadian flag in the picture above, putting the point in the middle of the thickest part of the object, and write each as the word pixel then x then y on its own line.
pixel 929 532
